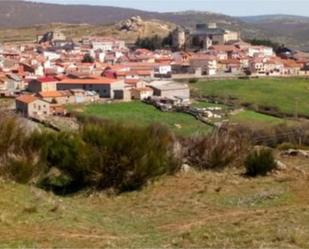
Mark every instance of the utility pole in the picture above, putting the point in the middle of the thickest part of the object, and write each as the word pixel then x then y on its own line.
pixel 296 108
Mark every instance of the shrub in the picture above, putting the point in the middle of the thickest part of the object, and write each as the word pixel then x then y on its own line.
pixel 287 146
pixel 12 136
pixel 216 151
pixel 104 155
pixel 88 59
pixel 193 81
pixel 67 152
pixel 126 158
pixel 18 161
pixel 260 162
pixel 272 137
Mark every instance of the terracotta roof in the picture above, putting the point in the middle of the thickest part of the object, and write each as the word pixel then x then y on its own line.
pixel 50 94
pixel 140 72
pixel 47 79
pixel 225 48
pixel 131 81
pixel 229 61
pixel 290 63
pixel 143 89
pixel 27 99
pixel 94 81
pixel 200 56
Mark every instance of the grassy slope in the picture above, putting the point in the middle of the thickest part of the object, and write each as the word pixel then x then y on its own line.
pixel 143 114
pixel 246 117
pixel 252 118
pixel 282 93
pixel 215 210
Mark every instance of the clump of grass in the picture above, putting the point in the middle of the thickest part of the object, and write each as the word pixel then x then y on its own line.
pixel 18 160
pixel 260 162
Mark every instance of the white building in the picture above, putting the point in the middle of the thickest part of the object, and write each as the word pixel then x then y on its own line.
pixel 163 69
pixel 260 51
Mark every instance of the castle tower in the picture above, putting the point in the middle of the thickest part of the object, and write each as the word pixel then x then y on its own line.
pixel 179 38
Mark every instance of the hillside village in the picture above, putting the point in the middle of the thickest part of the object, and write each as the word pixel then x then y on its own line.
pixel 150 133
pixel 55 71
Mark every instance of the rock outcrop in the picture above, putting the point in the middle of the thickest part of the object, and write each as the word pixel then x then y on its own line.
pixel 133 24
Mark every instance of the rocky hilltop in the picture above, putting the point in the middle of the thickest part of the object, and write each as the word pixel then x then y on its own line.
pixel 137 26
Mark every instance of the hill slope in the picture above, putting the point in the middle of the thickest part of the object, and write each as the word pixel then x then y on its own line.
pixel 196 209
pixel 290 30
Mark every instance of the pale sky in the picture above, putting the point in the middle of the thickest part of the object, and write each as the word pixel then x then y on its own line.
pixel 230 7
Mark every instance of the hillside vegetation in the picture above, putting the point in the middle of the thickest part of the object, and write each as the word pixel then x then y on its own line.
pixel 121 185
pixel 196 209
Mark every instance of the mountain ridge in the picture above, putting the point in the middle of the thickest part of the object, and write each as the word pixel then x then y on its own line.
pixel 290 30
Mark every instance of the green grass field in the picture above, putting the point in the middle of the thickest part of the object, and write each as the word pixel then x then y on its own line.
pixel 192 210
pixel 252 118
pixel 245 117
pixel 138 113
pixel 289 95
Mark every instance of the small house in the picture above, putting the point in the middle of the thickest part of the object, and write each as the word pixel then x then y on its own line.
pixel 31 106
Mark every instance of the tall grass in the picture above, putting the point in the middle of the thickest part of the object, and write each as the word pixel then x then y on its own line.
pixel 222 148
pixel 17 159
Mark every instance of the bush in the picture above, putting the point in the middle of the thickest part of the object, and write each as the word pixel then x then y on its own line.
pixel 102 155
pixel 66 152
pixel 272 137
pixel 193 81
pixel 126 158
pixel 18 161
pixel 287 146
pixel 88 59
pixel 216 151
pixel 260 162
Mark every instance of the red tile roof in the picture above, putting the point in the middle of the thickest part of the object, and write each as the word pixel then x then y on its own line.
pixel 93 81
pixel 47 79
pixel 50 94
pixel 26 99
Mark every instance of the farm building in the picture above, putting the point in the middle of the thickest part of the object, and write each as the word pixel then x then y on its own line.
pixel 170 89
pixel 104 87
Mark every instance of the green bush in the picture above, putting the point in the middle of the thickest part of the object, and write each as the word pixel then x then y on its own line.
pixel 103 155
pixel 126 158
pixel 260 162
pixel 193 81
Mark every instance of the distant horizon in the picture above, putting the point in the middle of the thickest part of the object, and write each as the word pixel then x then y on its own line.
pixel 239 8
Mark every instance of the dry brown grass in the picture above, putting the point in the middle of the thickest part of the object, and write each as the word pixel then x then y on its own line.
pixel 204 209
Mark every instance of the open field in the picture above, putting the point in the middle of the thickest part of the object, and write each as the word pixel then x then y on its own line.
pixel 246 117
pixel 142 114
pixel 195 209
pixel 288 95
pixel 253 119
